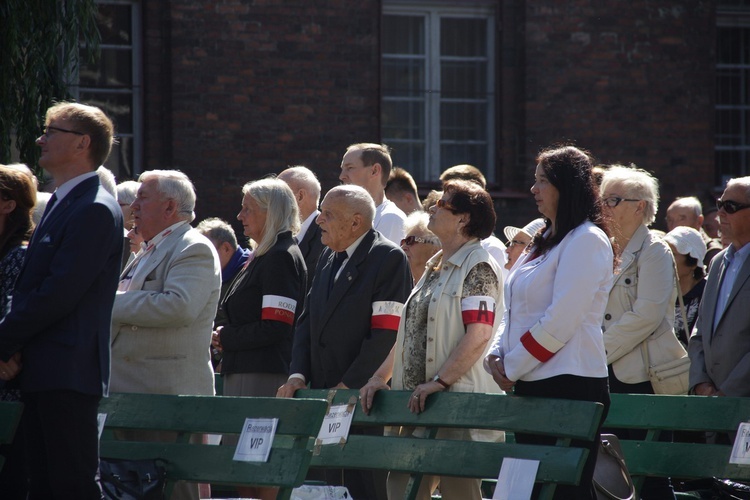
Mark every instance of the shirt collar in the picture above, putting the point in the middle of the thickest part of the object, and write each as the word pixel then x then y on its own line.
pixel 63 190
pixel 306 225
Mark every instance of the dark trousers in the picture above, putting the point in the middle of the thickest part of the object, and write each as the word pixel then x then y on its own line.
pixel 62 445
pixel 576 388
pixel 654 488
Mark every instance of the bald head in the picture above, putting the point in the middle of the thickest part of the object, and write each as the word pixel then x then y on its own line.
pixel 306 188
pixel 346 214
pixel 685 211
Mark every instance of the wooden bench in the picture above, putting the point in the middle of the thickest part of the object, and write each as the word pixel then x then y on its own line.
pixel 559 464
pixel 298 425
pixel 10 416
pixel 650 457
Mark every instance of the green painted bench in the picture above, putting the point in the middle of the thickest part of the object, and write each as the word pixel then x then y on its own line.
pixel 559 464
pixel 656 413
pixel 299 423
pixel 10 416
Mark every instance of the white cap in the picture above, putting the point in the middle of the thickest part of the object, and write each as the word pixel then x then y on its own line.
pixel 687 241
pixel 529 229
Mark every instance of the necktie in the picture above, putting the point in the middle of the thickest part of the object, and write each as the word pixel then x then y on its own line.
pixel 50 205
pixel 337 260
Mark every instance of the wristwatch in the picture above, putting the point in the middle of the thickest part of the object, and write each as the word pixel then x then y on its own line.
pixel 440 381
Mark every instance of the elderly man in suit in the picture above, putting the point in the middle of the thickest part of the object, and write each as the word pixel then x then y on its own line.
pixel 352 312
pixel 719 347
pixel 167 298
pixel 306 188
pixel 61 308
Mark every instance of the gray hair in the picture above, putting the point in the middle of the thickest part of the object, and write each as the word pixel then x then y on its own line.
pixel 174 185
pixel 688 202
pixel 742 181
pixel 275 197
pixel 305 177
pixel 127 191
pixel 638 184
pixel 217 230
pixel 358 200
pixel 419 220
pixel 107 179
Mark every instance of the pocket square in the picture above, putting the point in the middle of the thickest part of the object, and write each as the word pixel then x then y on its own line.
pixel 46 239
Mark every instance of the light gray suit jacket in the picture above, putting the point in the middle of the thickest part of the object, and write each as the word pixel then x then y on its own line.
pixel 161 327
pixel 722 356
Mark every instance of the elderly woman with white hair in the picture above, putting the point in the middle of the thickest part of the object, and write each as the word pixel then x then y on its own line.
pixel 689 251
pixel 641 302
pixel 419 244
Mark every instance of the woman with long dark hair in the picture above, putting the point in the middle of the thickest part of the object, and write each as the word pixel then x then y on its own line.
pixel 551 345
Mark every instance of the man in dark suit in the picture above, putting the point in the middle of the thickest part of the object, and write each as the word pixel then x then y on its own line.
pixel 719 347
pixel 351 315
pixel 306 188
pixel 59 322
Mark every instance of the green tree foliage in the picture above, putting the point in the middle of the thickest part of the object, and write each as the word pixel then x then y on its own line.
pixel 40 49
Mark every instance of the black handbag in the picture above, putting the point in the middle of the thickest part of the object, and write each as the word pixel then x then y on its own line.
pixel 132 479
pixel 612 480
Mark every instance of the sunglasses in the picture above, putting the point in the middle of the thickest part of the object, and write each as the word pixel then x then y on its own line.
pixel 613 201
pixel 412 240
pixel 730 206
pixel 445 204
pixel 516 242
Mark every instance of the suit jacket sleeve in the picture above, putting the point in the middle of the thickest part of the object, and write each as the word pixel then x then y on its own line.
pixel 301 353
pixel 393 283
pixel 278 278
pixel 78 260
pixel 188 285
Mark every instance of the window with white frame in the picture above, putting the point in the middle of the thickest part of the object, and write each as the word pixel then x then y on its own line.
pixel 438 86
pixel 732 135
pixel 114 83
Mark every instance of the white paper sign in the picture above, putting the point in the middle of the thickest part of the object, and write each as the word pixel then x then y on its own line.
pixel 741 449
pixel 516 479
pixel 256 440
pixel 100 419
pixel 336 425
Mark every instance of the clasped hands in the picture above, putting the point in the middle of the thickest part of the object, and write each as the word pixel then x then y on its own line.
pixel 497 370
pixel 9 370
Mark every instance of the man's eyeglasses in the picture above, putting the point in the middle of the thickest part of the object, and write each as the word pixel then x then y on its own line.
pixel 730 206
pixel 47 128
pixel 613 201
pixel 445 204
pixel 412 240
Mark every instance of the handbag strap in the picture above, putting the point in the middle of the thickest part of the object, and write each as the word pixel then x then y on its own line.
pixel 607 447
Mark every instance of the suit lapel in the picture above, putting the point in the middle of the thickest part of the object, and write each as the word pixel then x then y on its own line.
pixel 711 292
pixel 158 254
pixel 347 277
pixel 739 283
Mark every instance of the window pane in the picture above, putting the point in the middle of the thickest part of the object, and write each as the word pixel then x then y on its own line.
pixel 114 70
pixel 463 37
pixel 402 120
pixel 120 160
pixel 410 156
pixel 403 35
pixel 728 86
pixel 467 79
pixel 460 121
pixel 403 77
pixel 117 106
pixel 114 24
pixel 456 154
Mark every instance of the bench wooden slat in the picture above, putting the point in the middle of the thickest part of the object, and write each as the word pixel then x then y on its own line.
pixel 287 465
pixel 559 464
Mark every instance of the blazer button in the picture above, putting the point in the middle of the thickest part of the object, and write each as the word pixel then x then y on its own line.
pixel 432 319
pixel 134 328
pixel 627 281
pixel 429 339
pixel 434 299
pixel 429 360
pixel 608 316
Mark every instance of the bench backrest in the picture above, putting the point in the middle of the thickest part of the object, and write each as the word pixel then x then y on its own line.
pixel 299 423
pixel 654 413
pixel 10 416
pixel 559 464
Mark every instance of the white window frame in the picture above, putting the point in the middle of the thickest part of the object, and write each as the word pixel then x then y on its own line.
pixel 432 11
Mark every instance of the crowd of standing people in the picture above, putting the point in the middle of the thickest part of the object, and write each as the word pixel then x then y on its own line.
pixel 110 288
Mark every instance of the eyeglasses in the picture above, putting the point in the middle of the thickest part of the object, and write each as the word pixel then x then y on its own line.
pixel 613 201
pixel 445 204
pixel 730 206
pixel 412 240
pixel 47 128
pixel 516 242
